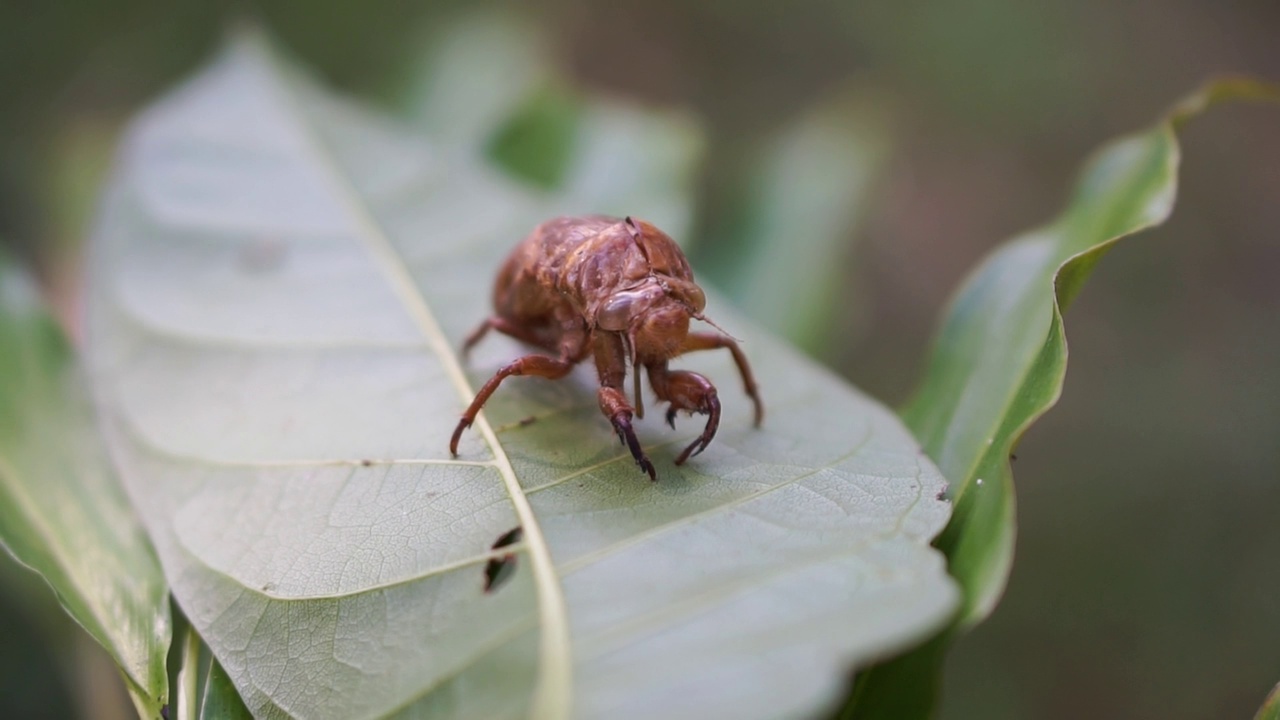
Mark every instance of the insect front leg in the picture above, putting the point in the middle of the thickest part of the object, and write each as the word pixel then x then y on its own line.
pixel 691 392
pixel 711 341
pixel 611 364
pixel 538 365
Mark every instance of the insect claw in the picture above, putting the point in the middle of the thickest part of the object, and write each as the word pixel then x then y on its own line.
pixel 463 424
pixel 622 424
pixel 687 453
pixel 695 448
pixel 671 417
pixel 712 409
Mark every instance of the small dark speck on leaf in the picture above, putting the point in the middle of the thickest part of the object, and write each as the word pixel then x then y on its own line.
pixel 164 712
pixel 262 255
pixel 366 463
pixel 942 494
pixel 500 569
pixel 1012 456
pixel 525 422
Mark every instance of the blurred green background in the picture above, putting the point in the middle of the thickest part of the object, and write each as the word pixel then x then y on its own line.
pixel 895 142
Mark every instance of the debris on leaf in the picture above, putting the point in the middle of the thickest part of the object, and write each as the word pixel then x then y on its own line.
pixel 500 569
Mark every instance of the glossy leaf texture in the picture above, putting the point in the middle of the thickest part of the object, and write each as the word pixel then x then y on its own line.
pixel 999 363
pixel 280 281
pixel 63 513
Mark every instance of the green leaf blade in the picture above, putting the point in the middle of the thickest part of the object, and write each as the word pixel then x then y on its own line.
pixel 62 511
pixel 999 364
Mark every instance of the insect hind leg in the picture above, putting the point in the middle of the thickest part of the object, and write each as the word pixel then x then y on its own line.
pixel 711 341
pixel 502 325
pixel 536 365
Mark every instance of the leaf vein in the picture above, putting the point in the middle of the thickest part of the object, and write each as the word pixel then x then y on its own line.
pixel 552 697
pixel 581 562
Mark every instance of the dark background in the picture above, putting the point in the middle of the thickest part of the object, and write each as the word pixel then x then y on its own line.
pixel 1147 579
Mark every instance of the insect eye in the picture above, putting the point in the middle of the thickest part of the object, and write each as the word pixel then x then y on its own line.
pixel 623 307
pixel 616 314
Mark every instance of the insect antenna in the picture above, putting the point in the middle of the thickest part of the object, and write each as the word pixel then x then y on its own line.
pixel 712 323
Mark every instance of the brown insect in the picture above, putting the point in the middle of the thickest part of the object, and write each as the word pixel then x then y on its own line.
pixel 622 292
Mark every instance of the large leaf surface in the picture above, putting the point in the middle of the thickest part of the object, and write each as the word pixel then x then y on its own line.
pixel 999 363
pixel 279 283
pixel 62 511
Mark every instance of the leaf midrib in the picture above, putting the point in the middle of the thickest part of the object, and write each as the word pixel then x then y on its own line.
pixel 552 694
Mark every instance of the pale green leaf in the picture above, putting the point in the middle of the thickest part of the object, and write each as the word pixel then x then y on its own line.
pixel 279 284
pixel 63 513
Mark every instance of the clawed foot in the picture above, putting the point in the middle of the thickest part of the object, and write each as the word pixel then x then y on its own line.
pixel 692 393
pixel 627 435
pixel 463 424
pixel 710 406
